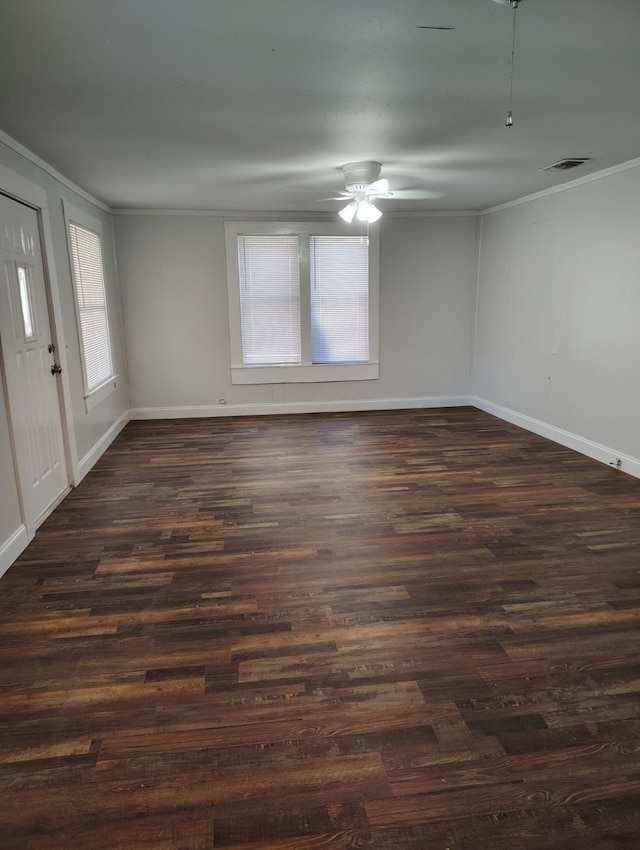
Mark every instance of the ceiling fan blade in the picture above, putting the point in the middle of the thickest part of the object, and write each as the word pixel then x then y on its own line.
pixel 379 187
pixel 414 194
pixel 441 29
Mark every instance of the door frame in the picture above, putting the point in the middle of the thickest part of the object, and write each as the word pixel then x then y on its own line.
pixel 24 191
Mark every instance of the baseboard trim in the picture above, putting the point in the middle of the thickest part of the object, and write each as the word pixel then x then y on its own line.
pixel 12 548
pixel 218 410
pixel 94 454
pixel 597 451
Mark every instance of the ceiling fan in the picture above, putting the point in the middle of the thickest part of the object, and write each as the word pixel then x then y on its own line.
pixel 363 186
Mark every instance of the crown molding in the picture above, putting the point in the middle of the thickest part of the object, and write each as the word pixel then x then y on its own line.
pixel 230 215
pixel 433 214
pixel 280 215
pixel 564 187
pixel 20 149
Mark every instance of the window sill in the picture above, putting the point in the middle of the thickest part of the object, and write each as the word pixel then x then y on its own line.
pixel 304 374
pixel 95 397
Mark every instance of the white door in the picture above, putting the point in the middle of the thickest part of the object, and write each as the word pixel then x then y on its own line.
pixel 28 356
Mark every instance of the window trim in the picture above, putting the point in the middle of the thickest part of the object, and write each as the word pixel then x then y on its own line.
pixel 77 216
pixel 305 372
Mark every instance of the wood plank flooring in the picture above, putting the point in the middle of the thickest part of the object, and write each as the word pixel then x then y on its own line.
pixel 407 630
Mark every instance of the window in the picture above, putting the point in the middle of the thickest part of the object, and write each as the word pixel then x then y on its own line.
pixel 85 252
pixel 269 299
pixel 303 302
pixel 339 268
pixel 24 288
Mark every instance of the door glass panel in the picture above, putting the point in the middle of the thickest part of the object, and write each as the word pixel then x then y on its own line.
pixel 25 301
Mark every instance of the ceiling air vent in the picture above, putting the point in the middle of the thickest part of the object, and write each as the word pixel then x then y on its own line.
pixel 565 164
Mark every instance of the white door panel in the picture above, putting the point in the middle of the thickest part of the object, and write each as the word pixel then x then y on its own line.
pixel 27 353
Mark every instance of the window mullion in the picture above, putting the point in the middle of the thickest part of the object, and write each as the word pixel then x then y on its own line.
pixel 305 298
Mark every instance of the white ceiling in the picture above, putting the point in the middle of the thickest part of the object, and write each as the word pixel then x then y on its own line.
pixel 255 104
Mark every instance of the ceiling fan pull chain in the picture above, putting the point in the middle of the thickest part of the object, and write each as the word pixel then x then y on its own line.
pixel 509 122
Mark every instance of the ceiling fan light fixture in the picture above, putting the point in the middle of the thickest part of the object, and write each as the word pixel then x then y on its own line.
pixel 374 214
pixel 348 212
pixel 367 211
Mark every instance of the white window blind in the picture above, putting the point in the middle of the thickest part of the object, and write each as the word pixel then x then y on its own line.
pixel 86 254
pixel 269 299
pixel 339 269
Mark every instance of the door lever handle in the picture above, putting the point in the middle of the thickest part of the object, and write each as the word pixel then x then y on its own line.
pixel 56 369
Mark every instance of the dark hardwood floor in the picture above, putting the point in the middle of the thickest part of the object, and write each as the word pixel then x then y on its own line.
pixel 408 630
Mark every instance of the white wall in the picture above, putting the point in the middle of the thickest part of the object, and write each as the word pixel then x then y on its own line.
pixel 562 273
pixel 12 532
pixel 174 288
pixel 89 433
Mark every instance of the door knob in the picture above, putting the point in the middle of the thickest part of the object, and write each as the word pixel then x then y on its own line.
pixel 55 369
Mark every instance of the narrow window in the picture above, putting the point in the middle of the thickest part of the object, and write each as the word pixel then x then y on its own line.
pixel 88 277
pixel 24 288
